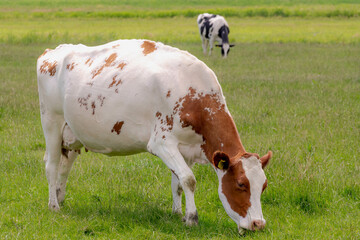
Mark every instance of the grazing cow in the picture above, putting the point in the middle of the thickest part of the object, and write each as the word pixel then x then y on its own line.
pixel 214 28
pixel 132 96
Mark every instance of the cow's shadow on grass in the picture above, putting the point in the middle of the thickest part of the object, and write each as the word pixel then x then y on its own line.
pixel 126 215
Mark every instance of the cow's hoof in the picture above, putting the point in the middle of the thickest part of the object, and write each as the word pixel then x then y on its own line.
pixel 54 207
pixel 191 219
pixel 242 231
pixel 177 212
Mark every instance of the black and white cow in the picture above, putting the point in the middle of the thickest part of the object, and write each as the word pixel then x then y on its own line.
pixel 214 28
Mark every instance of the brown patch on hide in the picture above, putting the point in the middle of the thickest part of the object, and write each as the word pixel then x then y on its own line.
pixel 167 123
pixel 92 102
pixel 93 106
pixel 158 115
pixel 48 67
pixel 115 82
pixel 101 99
pixel 170 122
pixel 71 66
pixel 248 155
pixel 264 186
pixel 206 114
pixel 89 62
pixel 168 94
pixel 236 188
pixel 148 47
pixel 44 53
pixel 117 127
pixel 108 62
pixel 121 65
pixel 84 101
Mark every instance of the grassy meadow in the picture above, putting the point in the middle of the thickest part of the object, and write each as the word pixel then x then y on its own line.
pixel 292 84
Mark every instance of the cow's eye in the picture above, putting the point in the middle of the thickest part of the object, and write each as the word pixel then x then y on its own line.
pixel 241 185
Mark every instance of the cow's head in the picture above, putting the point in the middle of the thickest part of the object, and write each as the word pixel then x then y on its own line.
pixel 225 48
pixel 241 183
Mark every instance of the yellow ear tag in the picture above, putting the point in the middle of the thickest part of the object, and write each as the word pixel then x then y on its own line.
pixel 221 164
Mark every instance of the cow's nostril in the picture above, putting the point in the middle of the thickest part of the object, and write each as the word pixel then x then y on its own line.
pixel 257 225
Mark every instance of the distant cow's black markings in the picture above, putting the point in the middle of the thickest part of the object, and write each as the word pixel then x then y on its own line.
pixel 223 34
pixel 206 25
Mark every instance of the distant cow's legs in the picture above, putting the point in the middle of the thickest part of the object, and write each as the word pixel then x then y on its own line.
pixel 205 43
pixel 52 132
pixel 212 40
pixel 171 156
pixel 176 193
pixel 65 165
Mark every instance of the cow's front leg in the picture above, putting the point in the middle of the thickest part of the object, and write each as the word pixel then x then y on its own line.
pixel 66 162
pixel 176 193
pixel 171 156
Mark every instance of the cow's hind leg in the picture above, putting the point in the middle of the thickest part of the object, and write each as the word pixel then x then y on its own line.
pixel 67 159
pixel 52 131
pixel 173 159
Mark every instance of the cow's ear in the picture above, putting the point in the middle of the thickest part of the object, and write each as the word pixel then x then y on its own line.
pixel 265 159
pixel 221 160
pixel 232 45
pixel 217 45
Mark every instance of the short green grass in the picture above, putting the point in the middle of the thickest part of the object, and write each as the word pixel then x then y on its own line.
pixel 243 30
pixel 165 4
pixel 299 100
pixel 288 89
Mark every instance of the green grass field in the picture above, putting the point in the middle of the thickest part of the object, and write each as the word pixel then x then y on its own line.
pixel 292 85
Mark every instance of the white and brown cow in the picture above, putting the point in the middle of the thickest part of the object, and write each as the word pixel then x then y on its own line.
pixel 131 96
pixel 214 28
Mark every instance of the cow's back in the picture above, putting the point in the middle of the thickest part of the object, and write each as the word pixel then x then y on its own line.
pixel 111 95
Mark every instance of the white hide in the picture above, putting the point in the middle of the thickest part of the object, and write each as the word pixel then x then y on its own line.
pixel 256 176
pixel 146 80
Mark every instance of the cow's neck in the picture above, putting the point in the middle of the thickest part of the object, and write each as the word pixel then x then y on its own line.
pixel 221 134
pixel 208 116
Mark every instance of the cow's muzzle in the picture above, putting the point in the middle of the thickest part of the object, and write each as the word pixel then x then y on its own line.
pixel 257 225
pixel 254 226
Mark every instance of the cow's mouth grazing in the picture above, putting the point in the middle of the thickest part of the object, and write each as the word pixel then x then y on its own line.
pixel 242 231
